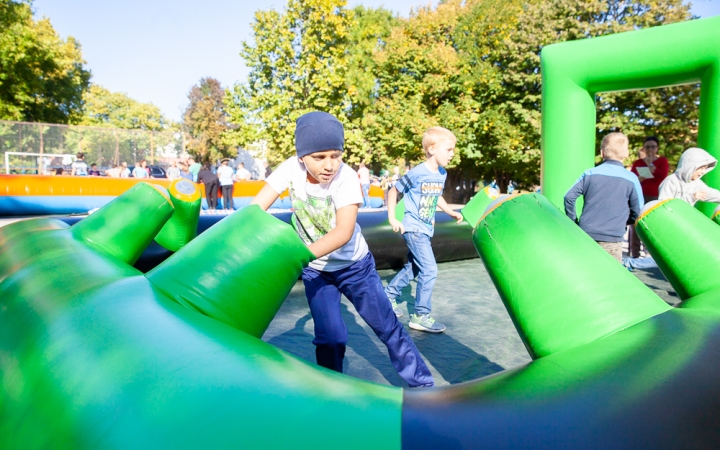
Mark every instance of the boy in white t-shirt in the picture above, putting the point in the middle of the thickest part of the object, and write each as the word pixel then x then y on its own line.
pixel 325 195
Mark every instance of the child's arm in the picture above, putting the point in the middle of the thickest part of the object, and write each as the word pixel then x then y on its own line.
pixel 452 213
pixel 707 194
pixel 392 202
pixel 634 203
pixel 265 197
pixel 571 197
pixel 345 219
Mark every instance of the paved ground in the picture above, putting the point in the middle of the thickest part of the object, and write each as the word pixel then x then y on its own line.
pixel 480 338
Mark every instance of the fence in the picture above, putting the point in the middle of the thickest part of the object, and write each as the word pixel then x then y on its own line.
pixel 102 146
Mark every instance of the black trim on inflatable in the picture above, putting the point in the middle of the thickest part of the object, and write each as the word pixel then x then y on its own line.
pixel 451 242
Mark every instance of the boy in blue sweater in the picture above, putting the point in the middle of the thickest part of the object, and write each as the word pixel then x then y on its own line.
pixel 612 195
pixel 422 188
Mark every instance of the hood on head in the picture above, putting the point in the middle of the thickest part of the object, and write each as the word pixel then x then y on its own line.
pixel 691 160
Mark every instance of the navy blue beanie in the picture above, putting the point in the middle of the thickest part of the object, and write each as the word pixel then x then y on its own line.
pixel 316 132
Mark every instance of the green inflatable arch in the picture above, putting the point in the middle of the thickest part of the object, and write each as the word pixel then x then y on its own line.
pixel 574 72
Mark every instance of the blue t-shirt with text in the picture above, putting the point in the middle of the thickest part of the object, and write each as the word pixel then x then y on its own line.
pixel 422 189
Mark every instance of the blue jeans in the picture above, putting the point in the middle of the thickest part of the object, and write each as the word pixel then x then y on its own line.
pixel 361 285
pixel 421 265
pixel 366 194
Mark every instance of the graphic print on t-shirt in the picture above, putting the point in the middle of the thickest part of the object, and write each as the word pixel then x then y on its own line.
pixel 430 192
pixel 313 217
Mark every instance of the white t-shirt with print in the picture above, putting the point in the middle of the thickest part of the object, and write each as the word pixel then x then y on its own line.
pixel 315 207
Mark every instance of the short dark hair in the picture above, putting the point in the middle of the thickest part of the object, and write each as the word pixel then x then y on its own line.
pixel 652 138
pixel 80 155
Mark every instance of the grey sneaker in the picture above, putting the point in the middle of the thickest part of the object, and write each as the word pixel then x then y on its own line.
pixel 425 323
pixel 396 309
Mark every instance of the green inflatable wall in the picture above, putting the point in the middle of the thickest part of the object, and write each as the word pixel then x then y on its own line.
pixel 573 72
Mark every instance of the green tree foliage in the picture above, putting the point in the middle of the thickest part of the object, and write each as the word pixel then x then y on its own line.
pixel 490 95
pixel 417 72
pixel 472 66
pixel 115 109
pixel 42 77
pixel 298 64
pixel 205 119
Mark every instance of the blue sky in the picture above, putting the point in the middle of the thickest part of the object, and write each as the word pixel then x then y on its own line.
pixel 156 50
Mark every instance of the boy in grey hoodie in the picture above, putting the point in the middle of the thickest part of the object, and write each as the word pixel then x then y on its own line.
pixel 685 182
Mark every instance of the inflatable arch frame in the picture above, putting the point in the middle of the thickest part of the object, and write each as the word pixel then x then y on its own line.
pixel 574 72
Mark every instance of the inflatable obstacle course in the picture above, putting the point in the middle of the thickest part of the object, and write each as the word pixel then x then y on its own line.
pixel 98 355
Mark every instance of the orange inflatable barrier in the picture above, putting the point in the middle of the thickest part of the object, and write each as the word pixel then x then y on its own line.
pixel 40 194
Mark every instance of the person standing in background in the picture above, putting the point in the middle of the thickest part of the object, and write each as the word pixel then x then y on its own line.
pixel 93 172
pixel 184 172
pixel 194 168
pixel 124 171
pixel 227 180
pixel 173 173
pixel 140 170
pixel 79 166
pixel 114 172
pixel 268 170
pixel 210 180
pixel 364 175
pixel 242 174
pixel 651 170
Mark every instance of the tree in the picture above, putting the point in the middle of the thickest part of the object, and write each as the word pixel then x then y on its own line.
pixel 205 120
pixel 474 67
pixel 42 77
pixel 298 63
pixel 513 59
pixel 114 109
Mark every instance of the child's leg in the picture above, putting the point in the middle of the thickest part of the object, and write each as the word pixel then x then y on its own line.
pixel 331 334
pixel 424 259
pixel 407 273
pixel 361 284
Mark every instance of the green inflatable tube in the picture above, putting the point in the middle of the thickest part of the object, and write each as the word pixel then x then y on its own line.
pixel 551 314
pixel 475 208
pixel 181 228
pixel 124 227
pixel 684 243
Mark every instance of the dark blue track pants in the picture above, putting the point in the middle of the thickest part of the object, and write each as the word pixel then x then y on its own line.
pixel 361 285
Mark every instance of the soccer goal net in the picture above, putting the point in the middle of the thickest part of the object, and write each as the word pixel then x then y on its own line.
pixel 37 163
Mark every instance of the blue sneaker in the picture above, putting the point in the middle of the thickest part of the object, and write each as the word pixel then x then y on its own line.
pixel 396 309
pixel 425 323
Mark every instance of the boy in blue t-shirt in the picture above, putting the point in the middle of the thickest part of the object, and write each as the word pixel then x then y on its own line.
pixel 423 188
